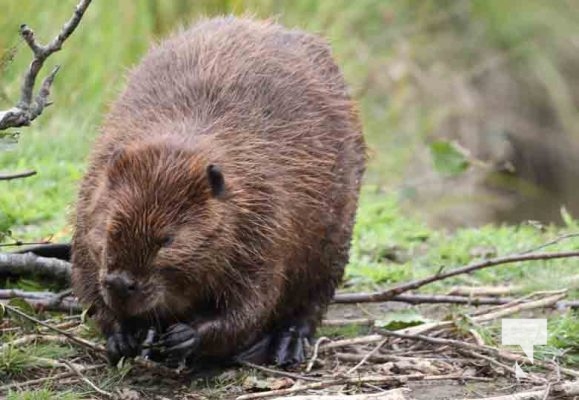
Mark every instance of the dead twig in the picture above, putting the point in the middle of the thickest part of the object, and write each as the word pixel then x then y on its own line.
pixel 28 108
pixel 383 379
pixel 26 339
pixel 485 349
pixel 393 394
pixel 351 342
pixel 276 372
pixel 345 322
pixel 21 243
pixel 87 381
pixel 367 356
pixel 499 364
pixel 405 287
pixel 552 242
pixel 562 389
pixel 489 316
pixel 477 291
pixel 448 299
pixel 314 357
pixel 19 175
pixel 44 380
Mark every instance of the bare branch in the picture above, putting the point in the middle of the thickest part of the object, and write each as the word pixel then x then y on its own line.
pixel 19 175
pixel 44 300
pixel 27 108
pixel 405 287
pixel 29 264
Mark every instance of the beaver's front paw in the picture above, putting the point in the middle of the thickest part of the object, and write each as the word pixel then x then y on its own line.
pixel 178 343
pixel 122 344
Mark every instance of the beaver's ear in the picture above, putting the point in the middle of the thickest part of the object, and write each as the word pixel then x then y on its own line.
pixel 216 180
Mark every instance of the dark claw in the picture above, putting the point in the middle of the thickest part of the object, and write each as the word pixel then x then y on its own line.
pixel 186 345
pixel 290 347
pixel 283 349
pixel 178 343
pixel 148 343
pixel 121 344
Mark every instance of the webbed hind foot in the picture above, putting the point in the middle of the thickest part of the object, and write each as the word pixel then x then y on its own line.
pixel 290 346
pixel 284 347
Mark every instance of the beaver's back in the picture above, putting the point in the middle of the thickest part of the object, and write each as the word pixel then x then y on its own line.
pixel 272 99
pixel 238 73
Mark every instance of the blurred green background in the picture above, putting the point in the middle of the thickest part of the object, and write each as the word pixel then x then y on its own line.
pixel 469 107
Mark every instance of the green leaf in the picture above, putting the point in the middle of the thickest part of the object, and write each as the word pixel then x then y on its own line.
pixel 447 159
pixel 401 320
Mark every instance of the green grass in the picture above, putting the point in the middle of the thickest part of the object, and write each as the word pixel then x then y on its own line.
pixel 383 233
pixel 16 360
pixel 43 394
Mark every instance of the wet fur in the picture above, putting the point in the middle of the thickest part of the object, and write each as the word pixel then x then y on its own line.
pixel 269 107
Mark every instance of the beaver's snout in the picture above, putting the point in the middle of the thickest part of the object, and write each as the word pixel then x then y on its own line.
pixel 120 285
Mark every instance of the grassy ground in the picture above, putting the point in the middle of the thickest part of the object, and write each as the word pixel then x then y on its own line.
pixel 390 244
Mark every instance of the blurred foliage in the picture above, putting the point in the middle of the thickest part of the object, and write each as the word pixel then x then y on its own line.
pixel 403 60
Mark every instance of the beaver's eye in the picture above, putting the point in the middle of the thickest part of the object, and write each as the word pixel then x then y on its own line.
pixel 166 240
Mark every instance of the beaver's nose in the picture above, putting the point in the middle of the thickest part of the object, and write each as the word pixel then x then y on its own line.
pixel 120 284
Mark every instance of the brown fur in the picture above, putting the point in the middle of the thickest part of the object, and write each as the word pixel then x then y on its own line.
pixel 270 108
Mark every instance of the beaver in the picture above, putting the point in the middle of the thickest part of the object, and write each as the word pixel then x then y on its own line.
pixel 220 196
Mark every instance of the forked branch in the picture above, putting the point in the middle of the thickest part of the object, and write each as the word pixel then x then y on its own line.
pixel 30 107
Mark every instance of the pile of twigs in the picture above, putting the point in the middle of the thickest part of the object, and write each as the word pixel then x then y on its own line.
pixel 383 365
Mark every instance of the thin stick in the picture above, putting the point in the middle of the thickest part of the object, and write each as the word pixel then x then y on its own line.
pixel 491 360
pixel 316 350
pixel 472 347
pixel 477 291
pixel 490 316
pixel 552 242
pixel 277 372
pixel 394 394
pixel 342 381
pixel 52 378
pixel 19 175
pixel 87 381
pixel 405 287
pixel 345 322
pixel 20 243
pixel 367 356
pixel 31 339
pixel 351 342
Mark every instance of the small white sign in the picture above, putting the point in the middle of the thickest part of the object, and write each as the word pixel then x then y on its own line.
pixel 525 333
